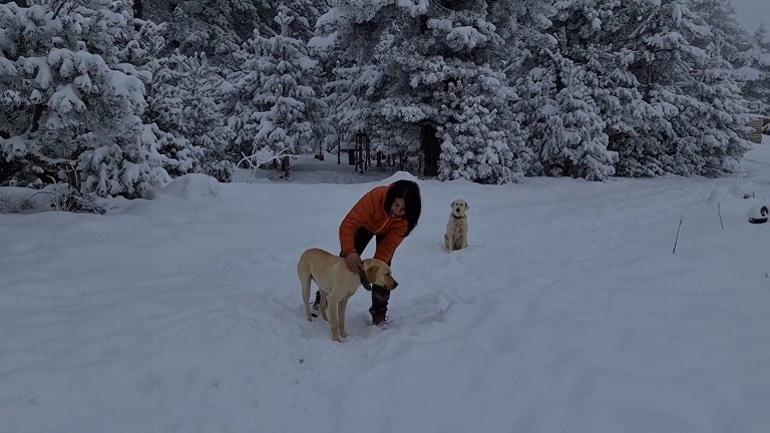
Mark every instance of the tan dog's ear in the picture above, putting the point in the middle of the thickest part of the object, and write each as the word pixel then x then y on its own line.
pixel 371 273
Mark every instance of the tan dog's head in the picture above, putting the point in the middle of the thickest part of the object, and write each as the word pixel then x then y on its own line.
pixel 459 208
pixel 378 274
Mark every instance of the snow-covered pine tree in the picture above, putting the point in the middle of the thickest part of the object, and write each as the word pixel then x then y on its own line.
pixel 220 27
pixel 216 27
pixel 525 26
pixel 715 127
pixel 476 116
pixel 185 100
pixel 565 127
pixel 343 81
pixel 727 35
pixel 275 105
pixel 75 116
pixel 575 142
pixel 302 27
pixel 476 145
pixel 305 13
pixel 645 67
pixel 698 119
pixel 755 70
pixel 593 34
pixel 559 109
pixel 404 68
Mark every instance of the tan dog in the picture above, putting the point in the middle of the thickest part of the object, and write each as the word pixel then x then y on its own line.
pixel 337 284
pixel 456 236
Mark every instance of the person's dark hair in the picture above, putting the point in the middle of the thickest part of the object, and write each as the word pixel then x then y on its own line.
pixel 410 192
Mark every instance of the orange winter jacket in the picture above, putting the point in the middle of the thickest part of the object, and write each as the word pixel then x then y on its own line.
pixel 370 214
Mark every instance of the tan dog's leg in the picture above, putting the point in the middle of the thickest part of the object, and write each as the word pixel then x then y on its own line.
pixel 322 305
pixel 334 304
pixel 343 308
pixel 448 241
pixel 303 271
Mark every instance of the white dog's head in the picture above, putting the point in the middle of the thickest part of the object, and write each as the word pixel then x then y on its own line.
pixel 459 208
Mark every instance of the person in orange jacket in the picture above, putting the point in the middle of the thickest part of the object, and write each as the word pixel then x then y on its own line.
pixel 389 213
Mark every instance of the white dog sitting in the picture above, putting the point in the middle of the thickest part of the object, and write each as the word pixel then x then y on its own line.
pixel 456 236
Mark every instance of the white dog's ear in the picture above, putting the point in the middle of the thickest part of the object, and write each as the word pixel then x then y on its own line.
pixel 467 206
pixel 452 206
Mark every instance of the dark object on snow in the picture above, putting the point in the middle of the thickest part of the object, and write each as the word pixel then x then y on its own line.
pixel 761 218
pixel 365 281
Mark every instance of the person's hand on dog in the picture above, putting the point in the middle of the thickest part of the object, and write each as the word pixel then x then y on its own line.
pixel 354 263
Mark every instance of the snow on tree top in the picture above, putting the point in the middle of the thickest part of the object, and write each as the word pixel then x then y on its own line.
pixel 466 38
pixel 66 99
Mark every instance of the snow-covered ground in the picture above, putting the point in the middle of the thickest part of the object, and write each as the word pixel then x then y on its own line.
pixel 567 313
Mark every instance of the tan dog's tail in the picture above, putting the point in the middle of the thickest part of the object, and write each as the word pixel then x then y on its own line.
pixel 303 272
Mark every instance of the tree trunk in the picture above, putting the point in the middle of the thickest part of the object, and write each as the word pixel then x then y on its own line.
pixel 138 13
pixel 430 148
pixel 285 166
pixel 36 115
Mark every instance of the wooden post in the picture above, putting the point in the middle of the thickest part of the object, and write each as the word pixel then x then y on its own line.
pixel 359 158
pixel 419 165
pixel 362 152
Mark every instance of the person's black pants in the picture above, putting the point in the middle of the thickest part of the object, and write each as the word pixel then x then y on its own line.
pixel 380 295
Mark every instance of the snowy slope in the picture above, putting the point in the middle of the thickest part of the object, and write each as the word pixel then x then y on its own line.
pixel 567 313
